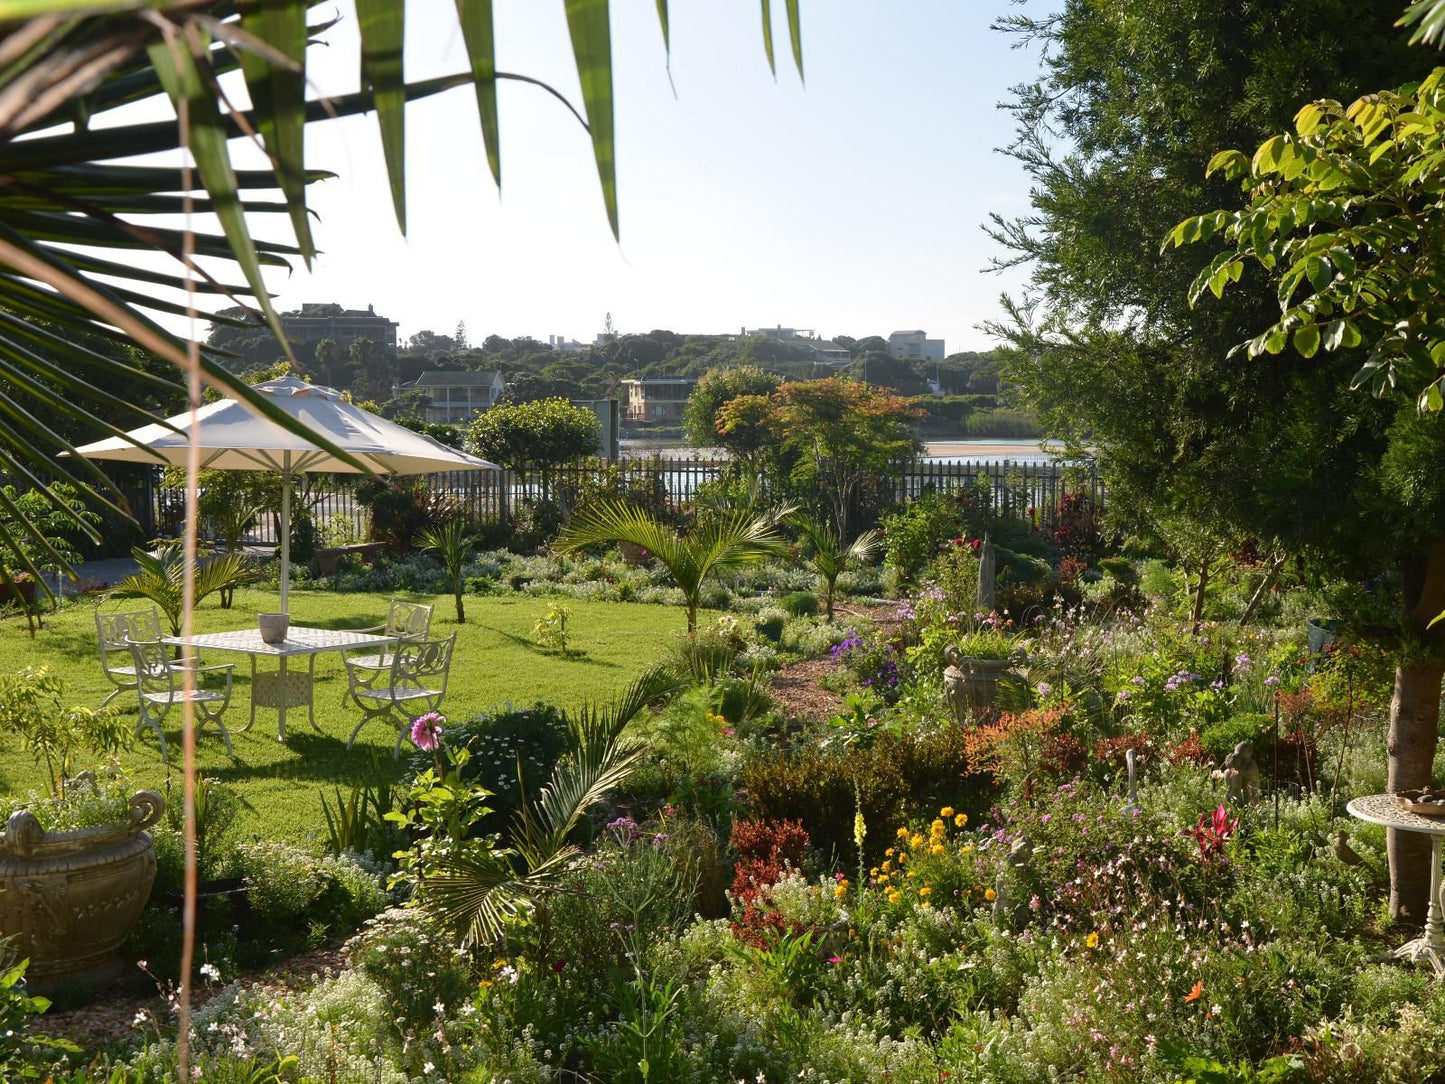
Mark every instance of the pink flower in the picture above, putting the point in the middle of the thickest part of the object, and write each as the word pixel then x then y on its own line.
pixel 426 731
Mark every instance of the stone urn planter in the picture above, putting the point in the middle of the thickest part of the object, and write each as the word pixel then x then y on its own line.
pixel 971 684
pixel 69 899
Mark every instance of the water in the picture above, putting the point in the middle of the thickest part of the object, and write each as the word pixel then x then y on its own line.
pixel 980 450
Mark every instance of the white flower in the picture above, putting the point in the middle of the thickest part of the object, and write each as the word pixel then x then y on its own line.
pixel 211 971
pixel 440 1009
pixel 428 1068
pixel 141 1019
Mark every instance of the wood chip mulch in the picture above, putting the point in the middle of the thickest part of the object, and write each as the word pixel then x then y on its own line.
pixel 797 689
pixel 111 1016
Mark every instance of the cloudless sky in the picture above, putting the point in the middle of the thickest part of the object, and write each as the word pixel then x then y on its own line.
pixel 851 204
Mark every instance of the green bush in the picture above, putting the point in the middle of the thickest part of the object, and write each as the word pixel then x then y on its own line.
pixel 1219 739
pixel 800 603
pixel 895 775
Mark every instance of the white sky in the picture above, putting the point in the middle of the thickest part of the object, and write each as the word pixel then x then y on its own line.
pixel 851 205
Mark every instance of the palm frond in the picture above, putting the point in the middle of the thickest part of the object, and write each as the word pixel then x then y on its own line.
pixel 79 201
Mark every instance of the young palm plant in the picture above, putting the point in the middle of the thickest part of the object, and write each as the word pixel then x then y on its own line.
pixel 453 545
pixel 829 557
pixel 475 891
pixel 162 578
pixel 716 543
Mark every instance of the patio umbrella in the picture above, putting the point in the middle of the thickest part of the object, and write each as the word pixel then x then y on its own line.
pixel 232 437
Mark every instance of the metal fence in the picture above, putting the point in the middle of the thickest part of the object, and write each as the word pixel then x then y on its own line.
pixel 1020 489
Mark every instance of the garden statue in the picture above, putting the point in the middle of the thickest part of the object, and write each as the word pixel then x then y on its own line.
pixel 987 567
pixel 1131 761
pixel 1006 901
pixel 1242 773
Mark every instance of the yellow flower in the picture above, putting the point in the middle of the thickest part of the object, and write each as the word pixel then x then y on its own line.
pixel 840 890
pixel 1092 940
pixel 903 833
pixel 894 895
pixel 485 983
pixel 937 848
pixel 990 895
pixel 926 890
pixel 883 878
pixel 873 872
pixel 960 820
pixel 886 866
pixel 889 852
pixel 926 905
pixel 967 848
pixel 915 841
pixel 936 828
pixel 946 811
pixel 911 874
pixel 902 858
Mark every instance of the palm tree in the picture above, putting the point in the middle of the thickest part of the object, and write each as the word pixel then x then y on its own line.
pixel 453 545
pixel 830 558
pixel 473 892
pixel 716 543
pixel 80 193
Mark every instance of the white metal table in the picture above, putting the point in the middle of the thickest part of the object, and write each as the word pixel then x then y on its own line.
pixel 282 688
pixel 1385 809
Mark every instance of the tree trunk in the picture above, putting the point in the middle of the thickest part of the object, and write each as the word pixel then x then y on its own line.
pixel 1414 719
pixel 1196 613
pixel 1275 564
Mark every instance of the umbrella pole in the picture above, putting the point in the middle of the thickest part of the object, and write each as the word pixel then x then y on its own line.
pixel 285 537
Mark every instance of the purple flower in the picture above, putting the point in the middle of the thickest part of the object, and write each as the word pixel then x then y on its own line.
pixel 426 731
pixel 1045 688
pixel 1271 680
pixel 1242 660
pixel 1137 680
pixel 1123 696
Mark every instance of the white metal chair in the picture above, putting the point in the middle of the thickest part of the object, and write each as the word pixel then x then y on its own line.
pixel 115 631
pixel 160 686
pixel 408 621
pixel 416 682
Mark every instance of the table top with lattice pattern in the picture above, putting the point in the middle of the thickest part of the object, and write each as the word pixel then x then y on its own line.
pixel 300 640
pixel 1385 809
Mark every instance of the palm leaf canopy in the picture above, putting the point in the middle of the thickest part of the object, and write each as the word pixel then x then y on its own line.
pixel 96 240
pixel 476 893
pixel 720 541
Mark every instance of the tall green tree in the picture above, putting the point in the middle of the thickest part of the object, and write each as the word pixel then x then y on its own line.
pixel 716 389
pixel 1346 213
pixel 372 374
pixel 328 363
pixel 1115 133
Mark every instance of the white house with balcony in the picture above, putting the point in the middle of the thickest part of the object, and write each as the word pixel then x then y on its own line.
pixel 456 396
pixel 914 346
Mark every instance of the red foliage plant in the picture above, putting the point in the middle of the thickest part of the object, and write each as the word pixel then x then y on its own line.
pixel 1189 751
pixel 1213 831
pixel 765 849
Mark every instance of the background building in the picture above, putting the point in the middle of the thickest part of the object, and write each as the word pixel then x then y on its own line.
pixel 456 396
pixel 657 399
pixel 914 346
pixel 316 322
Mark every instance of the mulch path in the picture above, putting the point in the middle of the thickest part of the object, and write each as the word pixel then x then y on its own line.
pixel 111 1017
pixel 798 687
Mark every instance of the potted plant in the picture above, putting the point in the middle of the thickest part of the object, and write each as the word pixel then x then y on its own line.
pixel 975 665
pixel 76 864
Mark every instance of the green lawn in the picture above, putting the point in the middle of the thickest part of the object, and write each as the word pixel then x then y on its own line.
pixel 496 661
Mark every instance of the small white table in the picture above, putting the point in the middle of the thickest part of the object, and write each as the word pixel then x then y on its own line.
pixel 1385 809
pixel 281 689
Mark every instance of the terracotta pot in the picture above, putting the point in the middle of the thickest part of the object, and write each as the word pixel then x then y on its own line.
pixel 70 899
